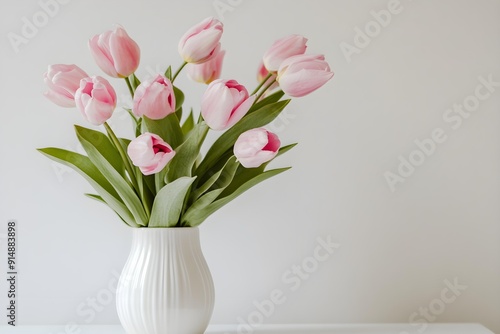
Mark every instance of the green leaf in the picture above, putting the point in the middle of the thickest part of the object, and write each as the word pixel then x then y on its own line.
pixel 159 178
pixel 89 171
pixel 196 218
pixel 275 97
pixel 179 113
pixel 186 154
pixel 169 202
pixel 284 149
pixel 138 127
pixel 179 98
pixel 229 168
pixel 134 81
pixel 243 174
pixel 168 128
pixel 225 142
pixel 96 197
pixel 121 184
pixel 149 180
pixel 124 143
pixel 188 123
pixel 104 145
pixel 131 113
pixel 179 101
pixel 101 200
pixel 224 178
pixel 168 73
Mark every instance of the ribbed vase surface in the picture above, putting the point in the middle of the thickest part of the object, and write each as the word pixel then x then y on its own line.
pixel 165 286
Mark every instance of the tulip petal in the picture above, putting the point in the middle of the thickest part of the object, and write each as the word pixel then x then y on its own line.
pixel 150 153
pixel 304 82
pixel 115 53
pixel 257 160
pixel 62 82
pixel 219 102
pixel 241 111
pixel 101 54
pixel 154 98
pixel 201 42
pixel 95 99
pixel 255 147
pixel 140 150
pixel 201 47
pixel 60 99
pixel 125 53
pixel 282 49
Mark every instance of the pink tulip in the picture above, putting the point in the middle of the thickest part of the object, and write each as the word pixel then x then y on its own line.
pixel 256 146
pixel 224 103
pixel 150 153
pixel 208 71
pixel 115 53
pixel 282 49
pixel 303 74
pixel 96 99
pixel 154 98
pixel 63 81
pixel 262 73
pixel 201 42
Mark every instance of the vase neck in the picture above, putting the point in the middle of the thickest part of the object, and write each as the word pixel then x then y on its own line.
pixel 168 239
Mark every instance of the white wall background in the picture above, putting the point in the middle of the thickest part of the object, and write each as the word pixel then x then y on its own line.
pixel 397 248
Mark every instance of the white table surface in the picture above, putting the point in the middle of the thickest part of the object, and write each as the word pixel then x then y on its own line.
pixel 465 328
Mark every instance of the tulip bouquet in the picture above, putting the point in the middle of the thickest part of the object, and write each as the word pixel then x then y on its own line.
pixel 159 178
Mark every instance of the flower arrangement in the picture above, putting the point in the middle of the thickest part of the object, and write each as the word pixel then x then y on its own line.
pixel 159 179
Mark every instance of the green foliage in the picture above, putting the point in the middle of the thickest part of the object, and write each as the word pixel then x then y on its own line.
pixel 186 154
pixel 167 128
pixel 97 180
pixel 225 142
pixel 190 188
pixel 169 202
pixel 98 153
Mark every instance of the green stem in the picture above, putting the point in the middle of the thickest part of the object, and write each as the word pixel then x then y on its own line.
pixel 262 83
pixel 142 193
pixel 136 121
pixel 129 85
pixel 124 157
pixel 178 71
pixel 263 91
pixel 158 182
pixel 131 90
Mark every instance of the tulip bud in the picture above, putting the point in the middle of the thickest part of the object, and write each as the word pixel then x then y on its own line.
pixel 303 74
pixel 154 98
pixel 208 71
pixel 282 49
pixel 201 42
pixel 150 153
pixel 255 147
pixel 63 81
pixel 115 53
pixel 224 103
pixel 96 99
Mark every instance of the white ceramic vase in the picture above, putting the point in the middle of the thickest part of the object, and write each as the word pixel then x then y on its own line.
pixel 166 286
